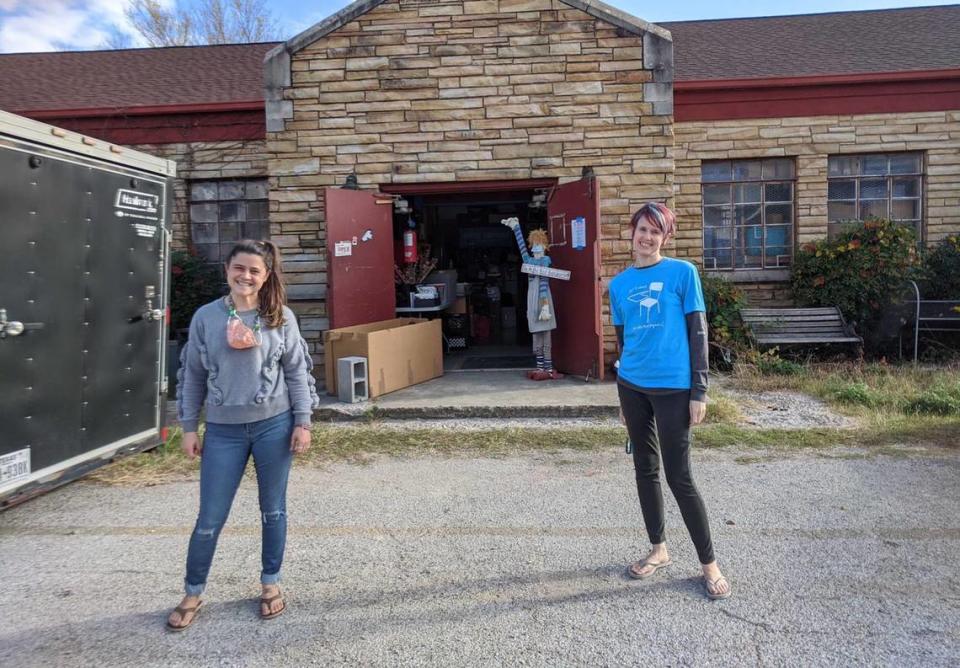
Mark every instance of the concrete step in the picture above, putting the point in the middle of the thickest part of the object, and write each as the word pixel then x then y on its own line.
pixel 483 394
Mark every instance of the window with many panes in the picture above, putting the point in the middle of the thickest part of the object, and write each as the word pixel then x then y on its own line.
pixel 878 185
pixel 748 213
pixel 223 212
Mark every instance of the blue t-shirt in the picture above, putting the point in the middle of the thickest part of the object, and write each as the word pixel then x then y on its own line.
pixel 651 303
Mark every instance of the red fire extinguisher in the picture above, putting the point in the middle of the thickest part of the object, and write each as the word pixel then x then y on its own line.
pixel 409 246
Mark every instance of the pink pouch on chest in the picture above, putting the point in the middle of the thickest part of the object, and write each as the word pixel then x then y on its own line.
pixel 240 336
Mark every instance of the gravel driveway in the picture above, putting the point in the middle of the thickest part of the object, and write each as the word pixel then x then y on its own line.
pixel 835 559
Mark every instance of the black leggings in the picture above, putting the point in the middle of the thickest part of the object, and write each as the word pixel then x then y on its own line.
pixel 660 423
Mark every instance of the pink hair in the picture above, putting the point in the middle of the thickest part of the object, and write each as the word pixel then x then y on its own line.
pixel 657 215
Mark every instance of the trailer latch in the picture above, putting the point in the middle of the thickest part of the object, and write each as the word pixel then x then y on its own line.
pixel 13 327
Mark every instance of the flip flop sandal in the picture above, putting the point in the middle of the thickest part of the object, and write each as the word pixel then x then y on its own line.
pixel 708 584
pixel 268 601
pixel 195 610
pixel 656 565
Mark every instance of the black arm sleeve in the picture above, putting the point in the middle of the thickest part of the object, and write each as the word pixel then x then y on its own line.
pixel 699 355
pixel 619 330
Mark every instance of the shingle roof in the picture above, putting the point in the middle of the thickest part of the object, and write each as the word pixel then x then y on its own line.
pixel 892 40
pixel 924 38
pixel 132 77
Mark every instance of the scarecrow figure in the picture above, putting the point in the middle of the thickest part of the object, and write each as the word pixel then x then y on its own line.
pixel 541 318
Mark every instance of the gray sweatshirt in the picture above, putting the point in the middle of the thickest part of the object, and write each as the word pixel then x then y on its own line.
pixel 240 386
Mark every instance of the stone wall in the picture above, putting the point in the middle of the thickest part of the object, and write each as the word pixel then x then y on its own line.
pixel 419 91
pixel 810 141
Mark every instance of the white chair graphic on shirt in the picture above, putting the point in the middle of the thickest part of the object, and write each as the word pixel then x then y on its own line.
pixel 652 299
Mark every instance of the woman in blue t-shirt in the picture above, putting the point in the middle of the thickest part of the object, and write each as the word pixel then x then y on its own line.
pixel 660 319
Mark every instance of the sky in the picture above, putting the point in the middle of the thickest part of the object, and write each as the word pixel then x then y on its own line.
pixel 70 25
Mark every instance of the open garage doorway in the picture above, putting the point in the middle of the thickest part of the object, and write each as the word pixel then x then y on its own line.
pixel 456 261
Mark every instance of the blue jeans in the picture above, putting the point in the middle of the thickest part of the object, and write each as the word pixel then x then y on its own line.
pixel 226 449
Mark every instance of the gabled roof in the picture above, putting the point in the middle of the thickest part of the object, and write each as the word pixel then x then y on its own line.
pixel 130 78
pixel 890 40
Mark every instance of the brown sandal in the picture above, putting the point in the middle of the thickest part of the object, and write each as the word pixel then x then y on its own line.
pixel 716 595
pixel 183 612
pixel 267 601
pixel 633 569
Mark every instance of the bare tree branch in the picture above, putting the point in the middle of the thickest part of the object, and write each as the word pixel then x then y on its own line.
pixel 202 22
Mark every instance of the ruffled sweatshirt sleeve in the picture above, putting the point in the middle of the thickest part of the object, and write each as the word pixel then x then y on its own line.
pixel 297 365
pixel 191 378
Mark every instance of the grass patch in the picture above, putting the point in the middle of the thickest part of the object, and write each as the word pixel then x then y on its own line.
pixel 165 463
pixel 867 389
pixel 722 409
pixel 359 444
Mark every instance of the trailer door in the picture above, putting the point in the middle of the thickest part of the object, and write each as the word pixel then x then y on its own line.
pixel 123 284
pixel 41 287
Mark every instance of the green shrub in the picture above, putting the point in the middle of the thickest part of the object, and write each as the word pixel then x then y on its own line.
pixel 193 283
pixel 941 270
pixel 861 272
pixel 771 364
pixel 856 394
pixel 935 401
pixel 766 363
pixel 724 301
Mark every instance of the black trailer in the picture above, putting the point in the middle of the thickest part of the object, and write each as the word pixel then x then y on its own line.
pixel 84 287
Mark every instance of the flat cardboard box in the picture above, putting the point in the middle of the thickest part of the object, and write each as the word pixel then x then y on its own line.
pixel 400 352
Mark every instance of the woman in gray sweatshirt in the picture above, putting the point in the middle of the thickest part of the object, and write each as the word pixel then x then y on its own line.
pixel 246 365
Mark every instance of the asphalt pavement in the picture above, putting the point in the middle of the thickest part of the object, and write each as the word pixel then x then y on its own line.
pixel 836 558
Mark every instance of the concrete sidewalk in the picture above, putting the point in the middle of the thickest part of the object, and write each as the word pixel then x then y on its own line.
pixel 448 561
pixel 484 394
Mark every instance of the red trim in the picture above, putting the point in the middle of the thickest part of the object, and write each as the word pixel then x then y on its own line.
pixel 204 108
pixel 168 128
pixel 459 187
pixel 817 96
pixel 780 82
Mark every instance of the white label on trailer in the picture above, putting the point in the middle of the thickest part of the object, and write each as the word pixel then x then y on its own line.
pixel 342 249
pixel 135 204
pixel 15 466
pixel 148 231
pixel 549 272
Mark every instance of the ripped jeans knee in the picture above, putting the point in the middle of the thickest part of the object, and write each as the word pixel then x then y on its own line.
pixel 273 517
pixel 207 532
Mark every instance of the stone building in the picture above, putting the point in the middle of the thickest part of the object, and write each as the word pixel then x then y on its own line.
pixel 760 132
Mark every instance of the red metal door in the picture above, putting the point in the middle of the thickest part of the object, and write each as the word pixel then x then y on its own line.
pixel 359 257
pixel 573 212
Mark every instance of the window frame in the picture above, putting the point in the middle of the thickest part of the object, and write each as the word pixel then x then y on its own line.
pixel 836 225
pixel 222 244
pixel 765 268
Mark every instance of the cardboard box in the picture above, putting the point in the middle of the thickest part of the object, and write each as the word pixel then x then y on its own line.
pixel 400 352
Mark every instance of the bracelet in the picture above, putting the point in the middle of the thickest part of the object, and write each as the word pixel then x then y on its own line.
pixel 303 426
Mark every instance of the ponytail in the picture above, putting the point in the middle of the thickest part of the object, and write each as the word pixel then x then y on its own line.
pixel 273 294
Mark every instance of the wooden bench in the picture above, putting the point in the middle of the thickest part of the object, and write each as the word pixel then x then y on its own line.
pixel 798 326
